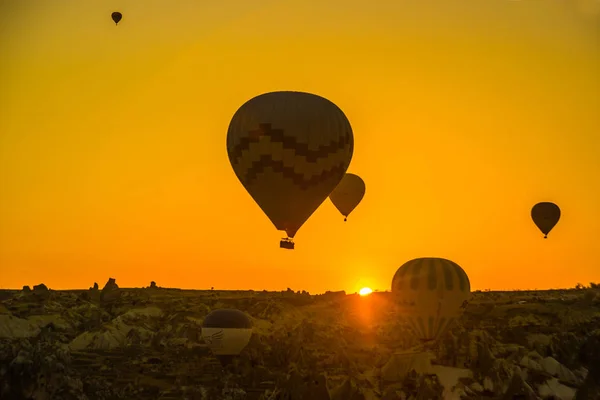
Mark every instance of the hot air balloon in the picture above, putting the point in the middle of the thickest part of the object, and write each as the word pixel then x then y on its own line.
pixel 348 194
pixel 545 216
pixel 116 16
pixel 289 150
pixel 226 332
pixel 432 293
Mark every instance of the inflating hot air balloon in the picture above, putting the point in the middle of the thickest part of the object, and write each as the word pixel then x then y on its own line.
pixel 432 293
pixel 226 332
pixel 545 216
pixel 289 150
pixel 348 194
pixel 116 16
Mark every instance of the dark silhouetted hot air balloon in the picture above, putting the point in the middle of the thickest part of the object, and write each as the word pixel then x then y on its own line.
pixel 348 194
pixel 116 16
pixel 289 150
pixel 545 216
pixel 433 293
pixel 226 332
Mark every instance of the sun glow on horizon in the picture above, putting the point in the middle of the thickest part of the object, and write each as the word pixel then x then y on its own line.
pixel 365 291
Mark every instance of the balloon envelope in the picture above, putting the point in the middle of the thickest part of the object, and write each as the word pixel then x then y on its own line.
pixel 116 16
pixel 289 150
pixel 545 216
pixel 226 332
pixel 432 293
pixel 348 194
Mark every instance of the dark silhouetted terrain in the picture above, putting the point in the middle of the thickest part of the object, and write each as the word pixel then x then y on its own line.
pixel 146 344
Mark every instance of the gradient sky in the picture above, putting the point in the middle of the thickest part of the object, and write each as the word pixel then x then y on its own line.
pixel 465 113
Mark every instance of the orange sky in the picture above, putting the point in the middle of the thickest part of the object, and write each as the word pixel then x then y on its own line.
pixel 465 113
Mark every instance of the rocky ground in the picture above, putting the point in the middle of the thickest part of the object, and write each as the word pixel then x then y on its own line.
pixel 146 344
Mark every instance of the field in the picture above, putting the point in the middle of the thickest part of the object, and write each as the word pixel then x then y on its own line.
pixel 145 343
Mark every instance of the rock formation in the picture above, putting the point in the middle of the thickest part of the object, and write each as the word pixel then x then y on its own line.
pixel 110 292
pixel 144 344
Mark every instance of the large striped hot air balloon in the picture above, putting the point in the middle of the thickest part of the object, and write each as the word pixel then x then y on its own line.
pixel 289 150
pixel 226 332
pixel 348 194
pixel 432 293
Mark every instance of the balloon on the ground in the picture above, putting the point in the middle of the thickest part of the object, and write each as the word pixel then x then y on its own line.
pixel 116 17
pixel 348 194
pixel 226 332
pixel 545 216
pixel 289 150
pixel 432 293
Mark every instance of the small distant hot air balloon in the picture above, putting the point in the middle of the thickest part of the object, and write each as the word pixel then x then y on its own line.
pixel 545 216
pixel 289 150
pixel 116 16
pixel 433 293
pixel 348 194
pixel 226 332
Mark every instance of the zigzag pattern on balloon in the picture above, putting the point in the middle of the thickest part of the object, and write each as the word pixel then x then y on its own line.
pixel 289 173
pixel 289 143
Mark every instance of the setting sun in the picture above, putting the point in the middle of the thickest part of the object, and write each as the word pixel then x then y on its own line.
pixel 365 291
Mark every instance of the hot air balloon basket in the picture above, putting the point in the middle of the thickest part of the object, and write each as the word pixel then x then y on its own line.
pixel 286 244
